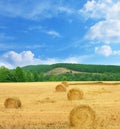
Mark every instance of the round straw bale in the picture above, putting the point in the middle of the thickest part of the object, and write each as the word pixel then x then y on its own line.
pixel 82 116
pixel 12 103
pixel 65 84
pixel 75 94
pixel 60 88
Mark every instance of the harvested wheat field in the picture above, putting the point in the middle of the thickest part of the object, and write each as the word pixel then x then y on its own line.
pixel 44 108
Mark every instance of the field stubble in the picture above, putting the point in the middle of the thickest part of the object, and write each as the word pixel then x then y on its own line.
pixel 44 108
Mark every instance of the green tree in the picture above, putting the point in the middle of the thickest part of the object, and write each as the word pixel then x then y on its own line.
pixel 29 76
pixel 36 76
pixel 41 77
pixel 4 72
pixel 19 75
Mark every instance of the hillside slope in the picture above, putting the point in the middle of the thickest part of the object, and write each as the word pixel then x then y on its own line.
pixel 72 72
pixel 74 67
pixel 60 70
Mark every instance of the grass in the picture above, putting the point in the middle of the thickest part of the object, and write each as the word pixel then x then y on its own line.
pixel 43 108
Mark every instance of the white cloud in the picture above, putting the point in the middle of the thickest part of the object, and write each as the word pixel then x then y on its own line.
pixel 75 59
pixel 104 50
pixel 19 59
pixel 70 59
pixel 116 52
pixel 11 59
pixel 34 9
pixel 14 59
pixel 107 27
pixel 5 64
pixel 101 9
pixel 114 11
pixel 4 46
pixel 53 33
pixel 107 31
pixel 64 9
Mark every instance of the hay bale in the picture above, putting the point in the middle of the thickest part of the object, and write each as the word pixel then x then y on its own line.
pixel 75 94
pixel 65 84
pixel 82 117
pixel 12 103
pixel 60 88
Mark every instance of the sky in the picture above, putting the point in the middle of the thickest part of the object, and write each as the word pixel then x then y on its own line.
pixel 59 31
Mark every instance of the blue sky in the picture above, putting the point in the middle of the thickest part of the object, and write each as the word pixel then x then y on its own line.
pixel 59 31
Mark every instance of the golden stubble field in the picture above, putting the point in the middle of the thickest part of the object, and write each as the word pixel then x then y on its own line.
pixel 44 108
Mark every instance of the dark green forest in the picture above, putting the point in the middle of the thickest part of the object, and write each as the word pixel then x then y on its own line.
pixel 36 73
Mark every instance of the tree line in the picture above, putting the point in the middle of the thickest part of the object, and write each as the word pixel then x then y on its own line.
pixel 21 75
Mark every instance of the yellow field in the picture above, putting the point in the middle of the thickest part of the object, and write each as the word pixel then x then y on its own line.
pixel 43 108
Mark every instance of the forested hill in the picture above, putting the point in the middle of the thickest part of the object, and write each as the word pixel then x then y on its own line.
pixel 60 72
pixel 76 67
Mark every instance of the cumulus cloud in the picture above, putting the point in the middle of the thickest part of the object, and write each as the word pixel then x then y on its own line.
pixel 19 59
pixel 106 50
pixel 103 50
pixel 107 31
pixel 107 27
pixel 5 64
pixel 101 9
pixel 12 59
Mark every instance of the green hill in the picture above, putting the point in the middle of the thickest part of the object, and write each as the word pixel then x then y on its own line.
pixel 75 67
pixel 74 72
pixel 61 72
